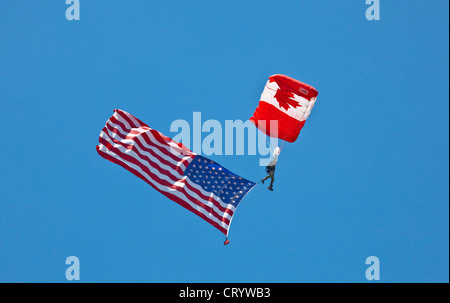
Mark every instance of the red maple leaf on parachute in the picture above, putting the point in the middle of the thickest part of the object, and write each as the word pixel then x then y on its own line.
pixel 285 99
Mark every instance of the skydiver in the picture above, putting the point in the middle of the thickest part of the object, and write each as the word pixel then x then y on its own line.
pixel 270 169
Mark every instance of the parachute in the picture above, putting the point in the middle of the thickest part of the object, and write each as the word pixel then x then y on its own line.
pixel 287 101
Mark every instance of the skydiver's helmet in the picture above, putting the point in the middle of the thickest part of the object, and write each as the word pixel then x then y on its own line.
pixel 275 154
pixel 276 151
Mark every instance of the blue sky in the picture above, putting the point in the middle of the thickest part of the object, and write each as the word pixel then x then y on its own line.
pixel 368 175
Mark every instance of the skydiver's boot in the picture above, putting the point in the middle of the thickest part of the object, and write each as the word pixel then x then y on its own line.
pixel 272 177
pixel 262 181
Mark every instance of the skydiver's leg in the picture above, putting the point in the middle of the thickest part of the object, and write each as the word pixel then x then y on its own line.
pixel 265 178
pixel 272 179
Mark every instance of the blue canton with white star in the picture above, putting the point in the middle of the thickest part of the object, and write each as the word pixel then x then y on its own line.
pixel 214 178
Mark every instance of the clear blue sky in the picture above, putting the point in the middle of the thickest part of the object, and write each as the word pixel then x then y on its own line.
pixel 368 175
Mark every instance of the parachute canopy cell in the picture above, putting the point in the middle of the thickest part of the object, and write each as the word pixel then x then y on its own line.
pixel 287 101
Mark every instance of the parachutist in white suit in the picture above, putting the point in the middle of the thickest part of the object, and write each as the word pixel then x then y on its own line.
pixel 270 169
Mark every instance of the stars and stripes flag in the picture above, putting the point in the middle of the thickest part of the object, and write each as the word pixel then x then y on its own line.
pixel 198 184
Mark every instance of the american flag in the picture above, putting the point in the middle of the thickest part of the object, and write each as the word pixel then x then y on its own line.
pixel 198 184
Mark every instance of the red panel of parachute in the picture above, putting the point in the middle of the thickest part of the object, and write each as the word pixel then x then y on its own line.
pixel 288 101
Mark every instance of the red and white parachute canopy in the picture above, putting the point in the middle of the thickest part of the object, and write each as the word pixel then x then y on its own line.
pixel 288 101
